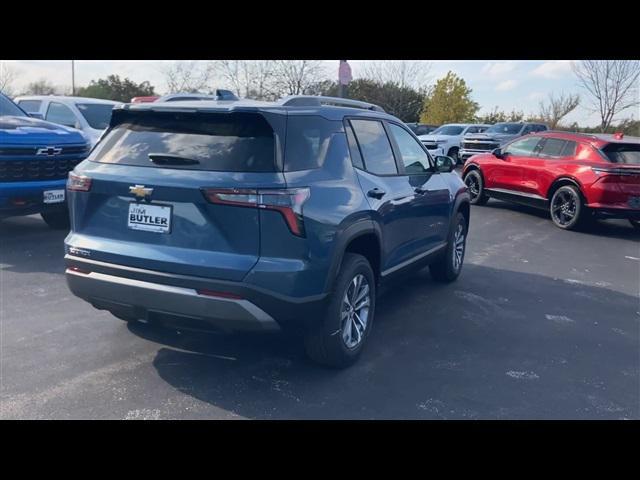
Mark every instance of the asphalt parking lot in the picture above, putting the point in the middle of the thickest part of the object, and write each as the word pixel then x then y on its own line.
pixel 541 324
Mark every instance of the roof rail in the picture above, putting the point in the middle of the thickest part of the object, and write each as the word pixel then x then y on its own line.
pixel 318 100
pixel 583 134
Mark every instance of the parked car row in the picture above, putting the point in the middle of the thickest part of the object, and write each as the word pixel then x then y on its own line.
pixel 446 139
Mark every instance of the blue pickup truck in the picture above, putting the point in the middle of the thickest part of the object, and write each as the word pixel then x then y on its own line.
pixel 35 159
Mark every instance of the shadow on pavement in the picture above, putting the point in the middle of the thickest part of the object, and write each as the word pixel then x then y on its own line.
pixel 496 344
pixel 605 228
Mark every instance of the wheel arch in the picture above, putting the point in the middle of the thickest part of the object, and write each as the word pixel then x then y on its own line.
pixel 561 182
pixel 363 238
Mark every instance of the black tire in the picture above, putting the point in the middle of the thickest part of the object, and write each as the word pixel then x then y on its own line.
pixel 57 220
pixel 567 208
pixel 635 224
pixel 448 267
pixel 325 341
pixel 453 153
pixel 477 194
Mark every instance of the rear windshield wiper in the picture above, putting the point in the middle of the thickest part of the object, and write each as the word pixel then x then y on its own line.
pixel 164 159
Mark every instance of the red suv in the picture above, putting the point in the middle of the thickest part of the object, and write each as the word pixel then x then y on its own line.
pixel 575 176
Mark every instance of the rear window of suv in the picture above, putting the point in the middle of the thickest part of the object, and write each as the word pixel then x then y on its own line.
pixel 234 142
pixel 623 153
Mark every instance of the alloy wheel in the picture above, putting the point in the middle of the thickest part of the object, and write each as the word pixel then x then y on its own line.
pixel 458 247
pixel 354 313
pixel 564 207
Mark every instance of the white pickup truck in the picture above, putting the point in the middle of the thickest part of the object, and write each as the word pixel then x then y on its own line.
pixel 445 140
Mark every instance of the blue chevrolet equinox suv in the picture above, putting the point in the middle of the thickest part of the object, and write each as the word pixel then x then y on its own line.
pixel 260 216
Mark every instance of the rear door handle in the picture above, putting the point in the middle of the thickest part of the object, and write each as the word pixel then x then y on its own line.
pixel 376 193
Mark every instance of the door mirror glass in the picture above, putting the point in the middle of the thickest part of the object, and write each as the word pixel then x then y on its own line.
pixel 445 164
pixel 498 153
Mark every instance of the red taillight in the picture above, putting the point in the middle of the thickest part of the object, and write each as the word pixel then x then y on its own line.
pixel 618 135
pixel 287 201
pixel 78 183
pixel 213 293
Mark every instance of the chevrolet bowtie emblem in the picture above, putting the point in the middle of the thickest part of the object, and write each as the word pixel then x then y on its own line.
pixel 140 191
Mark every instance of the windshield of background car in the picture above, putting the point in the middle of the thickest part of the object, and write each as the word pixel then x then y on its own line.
pixel 506 128
pixel 623 153
pixel 97 115
pixel 7 107
pixel 448 130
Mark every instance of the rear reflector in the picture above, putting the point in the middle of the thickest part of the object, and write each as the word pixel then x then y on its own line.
pixel 287 201
pixel 78 270
pixel 78 183
pixel 213 293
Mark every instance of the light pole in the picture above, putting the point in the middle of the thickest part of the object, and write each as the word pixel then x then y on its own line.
pixel 73 78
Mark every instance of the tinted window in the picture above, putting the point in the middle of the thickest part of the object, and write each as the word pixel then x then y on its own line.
pixel 507 128
pixel 309 140
pixel 30 106
pixel 356 158
pixel 569 149
pixel 236 142
pixel 375 147
pixel 623 153
pixel 523 147
pixel 97 115
pixel 7 107
pixel 553 147
pixel 482 129
pixel 414 158
pixel 60 114
pixel 448 130
pixel 423 130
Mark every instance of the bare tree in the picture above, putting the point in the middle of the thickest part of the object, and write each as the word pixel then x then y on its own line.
pixel 41 87
pixel 404 73
pixel 612 84
pixel 189 76
pixel 8 76
pixel 249 78
pixel 296 77
pixel 557 108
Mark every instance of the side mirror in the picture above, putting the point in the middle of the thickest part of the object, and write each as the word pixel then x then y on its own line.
pixel 445 164
pixel 498 153
pixel 37 115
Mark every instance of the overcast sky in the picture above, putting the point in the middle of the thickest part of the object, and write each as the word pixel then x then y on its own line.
pixel 518 85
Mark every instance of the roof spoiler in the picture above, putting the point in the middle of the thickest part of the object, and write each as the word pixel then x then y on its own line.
pixel 317 101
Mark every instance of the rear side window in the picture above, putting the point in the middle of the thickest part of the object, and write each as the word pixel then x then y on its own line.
pixel 375 147
pixel 235 142
pixel 30 106
pixel 553 148
pixel 623 153
pixel 309 140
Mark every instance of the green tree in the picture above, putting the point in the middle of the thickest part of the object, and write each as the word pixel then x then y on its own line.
pixel 402 102
pixel 449 101
pixel 114 88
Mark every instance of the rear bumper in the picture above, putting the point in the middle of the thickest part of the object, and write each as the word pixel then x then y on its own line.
pixel 174 300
